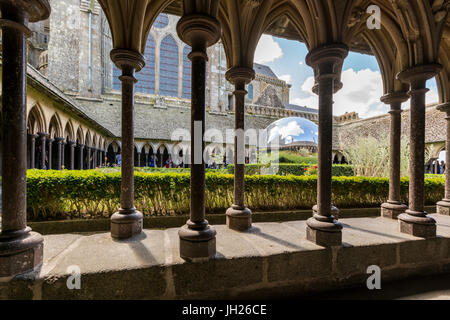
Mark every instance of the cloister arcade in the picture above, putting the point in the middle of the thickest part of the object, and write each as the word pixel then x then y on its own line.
pixel 62 148
pixel 412 45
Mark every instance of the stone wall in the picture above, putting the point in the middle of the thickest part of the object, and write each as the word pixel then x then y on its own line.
pixel 378 127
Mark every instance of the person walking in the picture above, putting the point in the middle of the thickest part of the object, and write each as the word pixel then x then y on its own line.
pixel 119 159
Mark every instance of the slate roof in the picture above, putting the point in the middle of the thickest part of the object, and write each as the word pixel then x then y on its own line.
pixel 301 109
pixel 264 70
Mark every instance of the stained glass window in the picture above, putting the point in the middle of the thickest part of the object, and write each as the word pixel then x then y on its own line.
pixel 168 72
pixel 162 21
pixel 145 77
pixel 250 91
pixel 187 72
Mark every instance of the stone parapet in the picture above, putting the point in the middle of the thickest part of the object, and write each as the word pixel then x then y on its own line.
pixel 271 260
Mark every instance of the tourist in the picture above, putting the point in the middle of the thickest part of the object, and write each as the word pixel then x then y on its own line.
pixel 119 159
pixel 442 171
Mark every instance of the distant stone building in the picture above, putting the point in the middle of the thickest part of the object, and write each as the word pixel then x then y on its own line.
pixel 71 52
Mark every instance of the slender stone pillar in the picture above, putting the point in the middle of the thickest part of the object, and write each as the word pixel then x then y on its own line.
pixel 146 160
pixel 21 250
pixel 72 146
pixel 197 238
pixel 443 207
pixel 239 217
pixel 59 153
pixel 50 151
pixel 127 222
pixel 33 138
pixel 88 154
pixel 323 229
pixel 81 157
pixel 393 207
pixel 415 221
pixel 43 138
pixel 139 159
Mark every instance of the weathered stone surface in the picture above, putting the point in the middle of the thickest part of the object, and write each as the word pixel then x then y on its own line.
pixel 356 260
pixel 271 260
pixel 300 265
pixel 217 275
pixel 422 251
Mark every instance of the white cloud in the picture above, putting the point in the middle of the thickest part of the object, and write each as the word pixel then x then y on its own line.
pixel 286 77
pixel 268 50
pixel 361 93
pixel 301 63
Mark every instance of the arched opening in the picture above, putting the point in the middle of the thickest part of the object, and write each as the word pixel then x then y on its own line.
pixel 162 156
pixel 111 154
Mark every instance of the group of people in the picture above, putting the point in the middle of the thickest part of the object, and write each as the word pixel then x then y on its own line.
pixel 436 167
pixel 153 162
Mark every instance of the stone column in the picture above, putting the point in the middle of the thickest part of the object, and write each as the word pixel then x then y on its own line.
pixel 88 154
pixel 415 221
pixel 197 238
pixel 139 159
pixel 43 137
pixel 60 153
pixel 443 207
pixel 72 146
pixel 393 207
pixel 323 229
pixel 50 150
pixel 33 138
pixel 81 157
pixel 127 222
pixel 21 250
pixel 239 217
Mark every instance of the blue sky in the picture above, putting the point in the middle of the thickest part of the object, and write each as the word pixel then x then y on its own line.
pixel 361 78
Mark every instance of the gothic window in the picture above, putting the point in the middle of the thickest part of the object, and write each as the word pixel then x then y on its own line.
pixel 168 72
pixel 250 91
pixel 162 21
pixel 187 72
pixel 145 77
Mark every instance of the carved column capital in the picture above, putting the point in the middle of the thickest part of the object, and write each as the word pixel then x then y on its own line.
pixel 124 59
pixel 395 98
pixel 240 75
pixel 199 29
pixel 417 76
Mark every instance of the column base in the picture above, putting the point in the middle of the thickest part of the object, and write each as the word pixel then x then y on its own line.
pixel 443 207
pixel 126 224
pixel 324 231
pixel 239 218
pixel 21 255
pixel 392 210
pixel 417 224
pixel 197 245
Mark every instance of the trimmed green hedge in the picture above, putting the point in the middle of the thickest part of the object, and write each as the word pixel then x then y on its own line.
pixel 93 194
pixel 285 169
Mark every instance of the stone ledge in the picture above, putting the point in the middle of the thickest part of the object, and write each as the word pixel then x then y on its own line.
pixel 103 225
pixel 272 260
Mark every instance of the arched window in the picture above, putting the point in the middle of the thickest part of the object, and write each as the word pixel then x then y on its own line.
pixel 250 91
pixel 168 72
pixel 187 72
pixel 145 77
pixel 161 21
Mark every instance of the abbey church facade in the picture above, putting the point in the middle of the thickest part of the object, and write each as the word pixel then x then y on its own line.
pixel 74 95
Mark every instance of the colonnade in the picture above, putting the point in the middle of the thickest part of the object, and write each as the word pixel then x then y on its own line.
pixel 200 29
pixel 59 153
